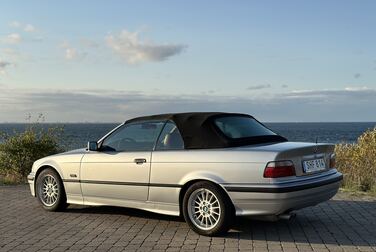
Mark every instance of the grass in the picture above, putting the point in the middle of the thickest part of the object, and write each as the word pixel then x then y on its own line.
pixel 357 193
pixel 357 162
pixel 9 180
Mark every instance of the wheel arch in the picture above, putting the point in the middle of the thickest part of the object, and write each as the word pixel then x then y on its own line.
pixel 189 183
pixel 44 167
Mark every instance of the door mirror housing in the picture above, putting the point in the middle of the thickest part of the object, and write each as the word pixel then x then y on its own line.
pixel 92 146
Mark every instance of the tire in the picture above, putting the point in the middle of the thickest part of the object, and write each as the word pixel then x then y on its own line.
pixel 50 191
pixel 207 209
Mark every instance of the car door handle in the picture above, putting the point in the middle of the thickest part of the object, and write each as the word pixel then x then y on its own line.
pixel 140 160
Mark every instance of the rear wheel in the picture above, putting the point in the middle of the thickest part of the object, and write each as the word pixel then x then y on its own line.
pixel 50 190
pixel 207 209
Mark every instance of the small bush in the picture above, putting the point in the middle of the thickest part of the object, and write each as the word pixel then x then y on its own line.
pixel 358 162
pixel 19 151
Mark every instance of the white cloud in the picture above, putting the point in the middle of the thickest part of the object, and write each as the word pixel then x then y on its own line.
pixel 357 88
pixel 29 28
pixel 71 53
pixel 10 52
pixel 13 38
pixel 133 50
pixel 25 27
pixel 15 24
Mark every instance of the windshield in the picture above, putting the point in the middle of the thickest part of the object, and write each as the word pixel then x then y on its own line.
pixel 242 127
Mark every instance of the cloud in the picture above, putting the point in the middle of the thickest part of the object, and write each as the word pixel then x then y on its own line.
pixel 357 75
pixel 358 88
pixel 4 64
pixel 9 51
pixel 117 105
pixel 15 24
pixel 13 38
pixel 334 96
pixel 71 53
pixel 133 50
pixel 29 28
pixel 284 86
pixel 258 87
pixel 25 27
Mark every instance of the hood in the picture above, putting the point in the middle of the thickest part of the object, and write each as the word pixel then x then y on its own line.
pixel 72 156
pixel 76 151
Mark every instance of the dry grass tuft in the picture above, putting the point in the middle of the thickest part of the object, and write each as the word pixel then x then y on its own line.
pixel 358 162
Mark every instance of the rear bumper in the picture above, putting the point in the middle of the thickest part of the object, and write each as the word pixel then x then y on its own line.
pixel 278 198
pixel 31 181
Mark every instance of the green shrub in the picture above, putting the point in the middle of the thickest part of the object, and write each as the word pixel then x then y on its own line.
pixel 358 162
pixel 20 150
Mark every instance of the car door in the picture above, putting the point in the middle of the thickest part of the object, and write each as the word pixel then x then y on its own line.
pixel 119 171
pixel 167 159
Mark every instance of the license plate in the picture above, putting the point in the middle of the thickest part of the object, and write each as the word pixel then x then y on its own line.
pixel 314 165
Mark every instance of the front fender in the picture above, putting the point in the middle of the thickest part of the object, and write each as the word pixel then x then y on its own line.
pixel 68 168
pixel 37 168
pixel 41 164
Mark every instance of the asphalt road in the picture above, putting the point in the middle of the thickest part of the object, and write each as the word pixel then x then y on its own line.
pixel 344 223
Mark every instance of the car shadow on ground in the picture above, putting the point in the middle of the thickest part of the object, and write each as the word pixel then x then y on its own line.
pixel 131 212
pixel 339 222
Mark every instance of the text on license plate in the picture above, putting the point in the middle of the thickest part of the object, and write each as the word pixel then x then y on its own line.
pixel 314 165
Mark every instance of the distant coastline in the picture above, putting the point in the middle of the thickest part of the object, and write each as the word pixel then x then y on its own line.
pixel 76 135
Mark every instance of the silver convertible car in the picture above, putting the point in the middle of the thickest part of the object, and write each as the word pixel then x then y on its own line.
pixel 207 167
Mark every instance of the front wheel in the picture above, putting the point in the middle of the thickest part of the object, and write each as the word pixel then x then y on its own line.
pixel 206 209
pixel 50 190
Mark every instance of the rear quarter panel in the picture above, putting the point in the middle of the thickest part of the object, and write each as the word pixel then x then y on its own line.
pixel 216 165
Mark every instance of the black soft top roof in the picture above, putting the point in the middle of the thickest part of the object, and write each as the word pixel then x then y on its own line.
pixel 199 131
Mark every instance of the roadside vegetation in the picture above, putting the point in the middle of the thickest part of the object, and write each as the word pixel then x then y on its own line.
pixel 19 150
pixel 357 162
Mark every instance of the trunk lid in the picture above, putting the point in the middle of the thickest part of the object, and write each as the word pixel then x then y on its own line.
pixel 299 153
pixel 307 157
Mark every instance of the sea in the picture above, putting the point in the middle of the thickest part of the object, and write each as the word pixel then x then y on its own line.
pixel 76 135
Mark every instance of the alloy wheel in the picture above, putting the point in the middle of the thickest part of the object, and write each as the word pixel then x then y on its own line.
pixel 204 209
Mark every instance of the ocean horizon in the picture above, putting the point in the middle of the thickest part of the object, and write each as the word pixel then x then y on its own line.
pixel 76 135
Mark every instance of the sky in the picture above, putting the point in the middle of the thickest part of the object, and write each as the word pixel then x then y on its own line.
pixel 108 61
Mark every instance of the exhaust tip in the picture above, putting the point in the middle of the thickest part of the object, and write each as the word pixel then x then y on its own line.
pixel 287 216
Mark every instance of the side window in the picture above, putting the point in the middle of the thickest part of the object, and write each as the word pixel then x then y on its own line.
pixel 133 137
pixel 170 138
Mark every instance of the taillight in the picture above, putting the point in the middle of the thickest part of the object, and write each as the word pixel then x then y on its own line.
pixel 277 169
pixel 332 162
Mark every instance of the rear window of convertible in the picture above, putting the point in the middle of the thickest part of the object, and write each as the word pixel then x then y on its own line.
pixel 241 127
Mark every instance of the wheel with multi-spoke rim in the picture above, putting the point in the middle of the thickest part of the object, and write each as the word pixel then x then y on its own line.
pixel 207 209
pixel 50 190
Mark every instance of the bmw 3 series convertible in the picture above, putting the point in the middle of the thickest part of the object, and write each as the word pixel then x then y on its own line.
pixel 207 167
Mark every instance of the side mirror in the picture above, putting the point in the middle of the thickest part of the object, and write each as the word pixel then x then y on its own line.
pixel 92 146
